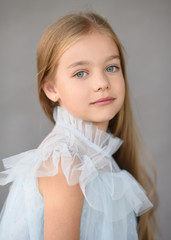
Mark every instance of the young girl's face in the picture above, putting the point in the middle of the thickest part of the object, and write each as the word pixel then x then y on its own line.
pixel 88 80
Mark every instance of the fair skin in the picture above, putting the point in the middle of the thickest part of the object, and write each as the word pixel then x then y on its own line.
pixel 88 71
pixel 62 207
pixel 89 84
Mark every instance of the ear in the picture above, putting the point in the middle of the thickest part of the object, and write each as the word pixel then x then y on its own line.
pixel 50 91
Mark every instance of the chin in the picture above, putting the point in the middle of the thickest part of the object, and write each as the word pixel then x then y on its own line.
pixel 105 117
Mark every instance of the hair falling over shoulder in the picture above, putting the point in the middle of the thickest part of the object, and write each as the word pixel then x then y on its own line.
pixel 56 39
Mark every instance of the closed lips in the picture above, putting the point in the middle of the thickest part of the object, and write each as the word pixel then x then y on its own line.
pixel 103 100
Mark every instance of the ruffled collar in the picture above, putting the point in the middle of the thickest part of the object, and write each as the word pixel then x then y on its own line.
pixel 85 154
pixel 70 139
pixel 101 141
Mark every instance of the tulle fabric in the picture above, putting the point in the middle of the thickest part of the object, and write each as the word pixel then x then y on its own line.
pixel 112 197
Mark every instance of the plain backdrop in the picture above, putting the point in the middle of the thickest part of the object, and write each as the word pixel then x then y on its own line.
pixel 143 27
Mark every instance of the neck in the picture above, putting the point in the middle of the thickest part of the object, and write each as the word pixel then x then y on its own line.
pixel 101 125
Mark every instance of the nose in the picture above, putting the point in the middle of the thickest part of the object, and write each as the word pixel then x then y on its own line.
pixel 101 82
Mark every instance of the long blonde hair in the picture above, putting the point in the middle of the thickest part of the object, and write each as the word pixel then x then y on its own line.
pixel 55 40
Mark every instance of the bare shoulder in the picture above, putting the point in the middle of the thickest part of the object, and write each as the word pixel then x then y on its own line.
pixel 62 207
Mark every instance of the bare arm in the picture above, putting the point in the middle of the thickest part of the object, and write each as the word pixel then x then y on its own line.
pixel 62 208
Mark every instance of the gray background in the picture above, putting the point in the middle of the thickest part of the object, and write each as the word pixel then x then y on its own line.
pixel 144 29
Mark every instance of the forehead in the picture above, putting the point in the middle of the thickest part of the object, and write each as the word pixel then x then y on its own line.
pixel 92 46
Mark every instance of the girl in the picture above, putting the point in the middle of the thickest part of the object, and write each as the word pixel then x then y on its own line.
pixel 72 186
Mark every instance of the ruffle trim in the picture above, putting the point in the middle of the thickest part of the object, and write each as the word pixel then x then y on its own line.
pixel 118 192
pixel 87 133
pixel 85 159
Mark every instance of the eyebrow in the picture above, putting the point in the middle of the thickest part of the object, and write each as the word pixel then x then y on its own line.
pixel 113 57
pixel 80 63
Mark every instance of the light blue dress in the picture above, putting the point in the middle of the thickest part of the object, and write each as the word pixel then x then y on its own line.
pixel 112 197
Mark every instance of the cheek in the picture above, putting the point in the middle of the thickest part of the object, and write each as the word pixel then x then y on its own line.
pixel 121 91
pixel 120 87
pixel 71 93
pixel 123 88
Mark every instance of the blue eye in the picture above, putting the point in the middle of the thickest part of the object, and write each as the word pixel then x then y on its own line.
pixel 111 69
pixel 81 74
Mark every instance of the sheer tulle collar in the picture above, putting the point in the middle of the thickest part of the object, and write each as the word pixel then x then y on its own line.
pixel 87 132
pixel 85 154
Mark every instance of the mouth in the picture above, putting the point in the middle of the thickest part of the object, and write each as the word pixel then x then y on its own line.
pixel 103 101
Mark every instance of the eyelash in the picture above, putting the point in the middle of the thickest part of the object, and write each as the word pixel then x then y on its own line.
pixel 113 66
pixel 76 74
